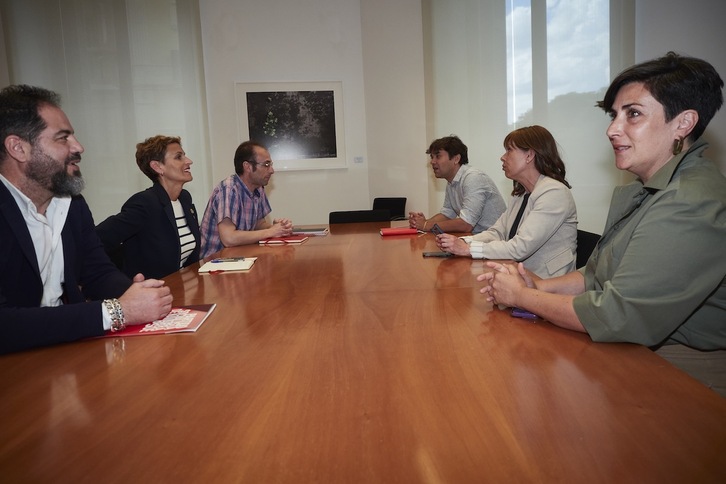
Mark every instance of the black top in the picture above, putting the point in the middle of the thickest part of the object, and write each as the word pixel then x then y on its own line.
pixel 143 237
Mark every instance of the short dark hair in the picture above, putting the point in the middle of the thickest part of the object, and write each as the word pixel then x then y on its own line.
pixel 678 83
pixel 151 149
pixel 245 152
pixel 547 158
pixel 452 145
pixel 19 112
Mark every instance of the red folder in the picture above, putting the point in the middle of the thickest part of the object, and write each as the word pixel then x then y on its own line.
pixel 398 231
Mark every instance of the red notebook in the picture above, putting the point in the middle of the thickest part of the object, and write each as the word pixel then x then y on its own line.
pixel 398 231
pixel 185 319
pixel 292 239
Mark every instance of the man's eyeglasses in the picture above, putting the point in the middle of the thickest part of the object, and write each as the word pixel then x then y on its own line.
pixel 266 164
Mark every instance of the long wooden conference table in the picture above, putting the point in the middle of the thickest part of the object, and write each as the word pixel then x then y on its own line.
pixel 351 358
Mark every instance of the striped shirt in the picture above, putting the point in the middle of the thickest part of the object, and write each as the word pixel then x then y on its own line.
pixel 186 239
pixel 233 200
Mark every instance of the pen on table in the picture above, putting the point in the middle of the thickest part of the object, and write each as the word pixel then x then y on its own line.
pixel 228 259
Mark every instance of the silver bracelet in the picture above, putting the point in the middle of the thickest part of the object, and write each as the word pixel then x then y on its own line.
pixel 113 306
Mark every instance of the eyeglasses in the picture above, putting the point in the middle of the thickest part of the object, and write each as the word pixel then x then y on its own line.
pixel 266 164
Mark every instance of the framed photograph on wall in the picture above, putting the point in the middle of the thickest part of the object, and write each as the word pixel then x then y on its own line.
pixel 300 123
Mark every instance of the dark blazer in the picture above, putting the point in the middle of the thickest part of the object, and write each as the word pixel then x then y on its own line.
pixel 89 276
pixel 146 235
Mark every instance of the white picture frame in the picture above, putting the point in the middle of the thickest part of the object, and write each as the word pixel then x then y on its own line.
pixel 300 123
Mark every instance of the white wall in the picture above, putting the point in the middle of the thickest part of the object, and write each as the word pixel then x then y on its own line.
pixel 693 28
pixel 381 69
pixel 393 68
pixel 286 41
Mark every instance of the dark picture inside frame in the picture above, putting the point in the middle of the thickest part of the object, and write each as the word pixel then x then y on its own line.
pixel 300 123
pixel 293 124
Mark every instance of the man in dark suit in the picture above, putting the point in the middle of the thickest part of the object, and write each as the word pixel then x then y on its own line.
pixel 56 282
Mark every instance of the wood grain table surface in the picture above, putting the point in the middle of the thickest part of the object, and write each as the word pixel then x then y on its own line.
pixel 351 358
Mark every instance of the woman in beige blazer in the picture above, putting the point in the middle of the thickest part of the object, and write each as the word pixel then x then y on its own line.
pixel 539 227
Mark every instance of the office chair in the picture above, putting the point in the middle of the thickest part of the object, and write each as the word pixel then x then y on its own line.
pixel 396 205
pixel 586 242
pixel 352 216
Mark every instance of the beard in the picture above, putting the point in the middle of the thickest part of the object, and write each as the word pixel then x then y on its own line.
pixel 44 170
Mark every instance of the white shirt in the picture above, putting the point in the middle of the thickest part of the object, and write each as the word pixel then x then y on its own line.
pixel 45 231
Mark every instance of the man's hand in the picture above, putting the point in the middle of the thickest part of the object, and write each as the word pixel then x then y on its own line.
pixel 146 300
pixel 416 220
pixel 281 227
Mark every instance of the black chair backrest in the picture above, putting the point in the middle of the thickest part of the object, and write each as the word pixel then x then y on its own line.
pixel 396 205
pixel 586 242
pixel 353 216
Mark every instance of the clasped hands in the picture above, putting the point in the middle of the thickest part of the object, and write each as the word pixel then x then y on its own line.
pixel 505 282
pixel 417 220
pixel 281 227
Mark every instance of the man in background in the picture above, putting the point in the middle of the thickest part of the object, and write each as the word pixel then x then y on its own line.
pixel 238 207
pixel 472 202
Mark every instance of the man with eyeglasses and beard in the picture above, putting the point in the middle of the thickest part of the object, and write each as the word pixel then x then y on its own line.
pixel 237 210
pixel 56 281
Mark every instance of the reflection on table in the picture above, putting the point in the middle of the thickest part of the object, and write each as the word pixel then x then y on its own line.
pixel 351 358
